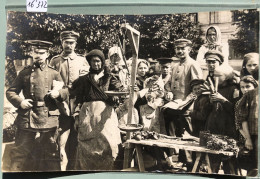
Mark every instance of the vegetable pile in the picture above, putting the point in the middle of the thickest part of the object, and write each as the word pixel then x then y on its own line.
pixel 222 143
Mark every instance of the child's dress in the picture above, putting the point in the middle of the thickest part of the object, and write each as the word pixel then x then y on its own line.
pixel 153 91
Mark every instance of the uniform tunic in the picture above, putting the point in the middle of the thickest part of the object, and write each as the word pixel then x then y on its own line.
pixel 35 83
pixel 70 67
pixel 182 74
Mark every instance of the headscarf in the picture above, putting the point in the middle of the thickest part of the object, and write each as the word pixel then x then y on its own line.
pixel 212 45
pixel 101 55
pixel 116 50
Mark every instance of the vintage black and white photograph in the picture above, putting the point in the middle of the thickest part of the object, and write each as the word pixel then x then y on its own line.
pixel 168 93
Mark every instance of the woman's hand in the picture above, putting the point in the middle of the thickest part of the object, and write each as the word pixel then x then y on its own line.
pixel 248 144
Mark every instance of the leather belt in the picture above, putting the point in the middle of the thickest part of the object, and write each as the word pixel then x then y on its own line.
pixel 38 103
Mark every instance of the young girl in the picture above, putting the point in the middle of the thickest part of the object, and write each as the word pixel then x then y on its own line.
pixel 142 73
pixel 250 65
pixel 122 110
pixel 246 117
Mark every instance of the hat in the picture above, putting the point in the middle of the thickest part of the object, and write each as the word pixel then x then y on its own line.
pixel 40 44
pixel 182 42
pixel 116 50
pixel 96 52
pixel 214 55
pixel 69 35
pixel 150 60
pixel 164 60
pixel 196 82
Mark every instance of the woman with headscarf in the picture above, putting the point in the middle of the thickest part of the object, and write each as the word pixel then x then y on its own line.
pixel 213 42
pixel 121 79
pixel 97 123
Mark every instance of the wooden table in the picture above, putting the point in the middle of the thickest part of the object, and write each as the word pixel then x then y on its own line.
pixel 194 146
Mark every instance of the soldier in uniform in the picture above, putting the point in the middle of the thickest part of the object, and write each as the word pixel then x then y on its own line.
pixel 70 66
pixel 183 72
pixel 37 120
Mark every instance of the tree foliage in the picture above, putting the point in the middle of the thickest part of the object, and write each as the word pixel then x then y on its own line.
pixel 247 35
pixel 158 32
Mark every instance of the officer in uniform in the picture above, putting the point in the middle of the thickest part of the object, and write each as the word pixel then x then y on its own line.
pixel 70 66
pixel 184 71
pixel 37 120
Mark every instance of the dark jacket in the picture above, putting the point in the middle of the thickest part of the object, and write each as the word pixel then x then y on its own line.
pixel 86 89
pixel 35 84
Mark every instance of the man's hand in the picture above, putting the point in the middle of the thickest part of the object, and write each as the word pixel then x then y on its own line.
pixel 217 97
pixel 26 104
pixel 54 94
pixel 169 96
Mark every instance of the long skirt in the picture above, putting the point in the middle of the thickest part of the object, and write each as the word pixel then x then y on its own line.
pixel 98 137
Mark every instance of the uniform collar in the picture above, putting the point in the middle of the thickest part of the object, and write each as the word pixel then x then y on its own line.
pixel 72 56
pixel 185 61
pixel 42 66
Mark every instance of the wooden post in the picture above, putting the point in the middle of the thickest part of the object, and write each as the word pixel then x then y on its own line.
pixel 133 36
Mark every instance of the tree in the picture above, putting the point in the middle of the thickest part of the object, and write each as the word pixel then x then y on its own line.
pixel 247 34
pixel 99 31
pixel 158 32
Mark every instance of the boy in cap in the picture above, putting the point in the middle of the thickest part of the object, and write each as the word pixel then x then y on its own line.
pixel 214 59
pixel 166 68
pixel 70 66
pixel 215 109
pixel 37 119
pixel 152 62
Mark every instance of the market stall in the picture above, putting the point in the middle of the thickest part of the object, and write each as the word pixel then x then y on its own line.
pixel 179 143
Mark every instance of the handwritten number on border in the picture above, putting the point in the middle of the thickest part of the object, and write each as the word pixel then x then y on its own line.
pixel 36 5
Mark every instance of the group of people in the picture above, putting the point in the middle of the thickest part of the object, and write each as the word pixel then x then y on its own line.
pixel 68 121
